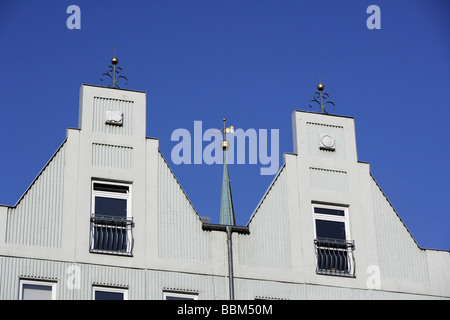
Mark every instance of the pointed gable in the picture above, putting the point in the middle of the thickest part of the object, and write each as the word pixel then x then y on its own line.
pixel 180 234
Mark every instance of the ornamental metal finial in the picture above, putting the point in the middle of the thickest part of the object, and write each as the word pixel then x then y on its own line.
pixel 230 130
pixel 321 97
pixel 225 144
pixel 114 72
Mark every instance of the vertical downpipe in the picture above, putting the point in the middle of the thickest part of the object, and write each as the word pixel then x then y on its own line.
pixel 230 262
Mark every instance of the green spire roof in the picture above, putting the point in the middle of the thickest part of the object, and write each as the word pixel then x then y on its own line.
pixel 226 201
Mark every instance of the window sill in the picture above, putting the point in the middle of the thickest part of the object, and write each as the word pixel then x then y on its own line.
pixel 335 273
pixel 112 253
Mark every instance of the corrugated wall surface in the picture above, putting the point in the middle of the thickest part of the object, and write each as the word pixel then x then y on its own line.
pixel 400 257
pixel 111 156
pixel 270 290
pixel 207 287
pixel 269 227
pixel 75 280
pixel 180 234
pixel 329 180
pixel 36 219
pixel 100 106
pixel 318 292
pixel 14 269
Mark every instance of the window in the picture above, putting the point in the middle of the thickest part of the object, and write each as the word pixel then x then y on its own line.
pixel 109 293
pixel 179 296
pixel 111 220
pixel 37 290
pixel 334 249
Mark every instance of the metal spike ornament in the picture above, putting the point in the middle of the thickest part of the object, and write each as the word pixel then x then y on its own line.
pixel 114 72
pixel 321 98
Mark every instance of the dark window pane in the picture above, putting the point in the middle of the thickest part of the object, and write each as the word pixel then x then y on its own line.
pixel 107 295
pixel 178 298
pixel 330 229
pixel 329 211
pixel 111 207
pixel 36 292
pixel 110 188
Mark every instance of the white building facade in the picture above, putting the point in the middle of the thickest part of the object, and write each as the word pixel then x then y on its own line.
pixel 107 219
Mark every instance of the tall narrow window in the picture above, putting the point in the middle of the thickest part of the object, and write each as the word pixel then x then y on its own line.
pixel 111 219
pixel 334 249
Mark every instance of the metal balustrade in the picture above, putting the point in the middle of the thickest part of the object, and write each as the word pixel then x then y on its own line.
pixel 335 257
pixel 111 235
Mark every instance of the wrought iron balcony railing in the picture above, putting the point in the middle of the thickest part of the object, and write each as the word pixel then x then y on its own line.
pixel 335 257
pixel 111 235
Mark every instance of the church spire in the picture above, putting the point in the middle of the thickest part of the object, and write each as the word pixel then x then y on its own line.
pixel 226 200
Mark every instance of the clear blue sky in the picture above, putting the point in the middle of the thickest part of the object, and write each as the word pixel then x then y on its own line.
pixel 253 62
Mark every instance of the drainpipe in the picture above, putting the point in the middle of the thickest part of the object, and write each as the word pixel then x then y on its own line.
pixel 229 229
pixel 230 261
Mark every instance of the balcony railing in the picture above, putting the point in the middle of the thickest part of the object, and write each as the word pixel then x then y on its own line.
pixel 335 257
pixel 111 235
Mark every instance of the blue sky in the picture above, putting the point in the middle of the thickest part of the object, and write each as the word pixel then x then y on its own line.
pixel 253 62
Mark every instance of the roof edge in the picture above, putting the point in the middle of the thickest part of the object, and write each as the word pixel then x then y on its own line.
pixel 97 86
pixel 324 114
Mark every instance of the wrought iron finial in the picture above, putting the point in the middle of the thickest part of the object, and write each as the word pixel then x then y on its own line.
pixel 114 72
pixel 321 98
